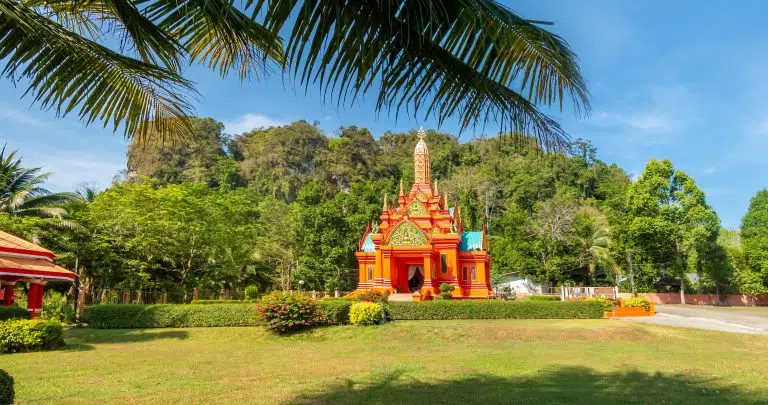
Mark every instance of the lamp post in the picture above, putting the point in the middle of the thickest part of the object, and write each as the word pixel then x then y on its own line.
pixel 301 284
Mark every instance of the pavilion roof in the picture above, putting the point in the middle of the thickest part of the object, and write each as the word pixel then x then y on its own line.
pixel 13 244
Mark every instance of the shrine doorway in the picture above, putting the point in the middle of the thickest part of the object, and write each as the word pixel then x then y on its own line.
pixel 415 277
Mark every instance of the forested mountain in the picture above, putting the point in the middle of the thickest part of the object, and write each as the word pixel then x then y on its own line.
pixel 276 205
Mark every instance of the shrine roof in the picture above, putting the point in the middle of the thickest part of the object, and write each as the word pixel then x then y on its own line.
pixel 471 241
pixel 368 245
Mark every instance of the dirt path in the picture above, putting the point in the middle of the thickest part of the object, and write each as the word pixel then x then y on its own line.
pixel 726 319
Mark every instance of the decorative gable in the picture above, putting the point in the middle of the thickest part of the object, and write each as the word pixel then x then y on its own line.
pixel 416 208
pixel 406 234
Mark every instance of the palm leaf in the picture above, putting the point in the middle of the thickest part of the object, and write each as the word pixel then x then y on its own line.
pixel 459 58
pixel 68 72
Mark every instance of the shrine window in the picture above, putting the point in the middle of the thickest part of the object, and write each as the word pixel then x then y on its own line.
pixel 444 264
pixel 474 274
pixel 464 273
pixel 370 272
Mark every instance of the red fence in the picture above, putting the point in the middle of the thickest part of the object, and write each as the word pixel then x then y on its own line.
pixel 703 299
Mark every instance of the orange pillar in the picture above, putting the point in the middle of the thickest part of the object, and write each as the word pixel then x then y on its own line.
pixel 40 295
pixel 427 287
pixel 32 298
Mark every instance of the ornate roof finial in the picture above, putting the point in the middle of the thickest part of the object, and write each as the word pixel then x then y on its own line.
pixel 446 200
pixel 401 187
pixel 386 206
pixel 436 192
pixel 421 166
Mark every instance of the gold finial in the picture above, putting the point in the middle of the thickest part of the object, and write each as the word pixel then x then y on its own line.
pixel 421 134
pixel 446 199
pixel 436 192
pixel 401 187
pixel 421 166
pixel 386 206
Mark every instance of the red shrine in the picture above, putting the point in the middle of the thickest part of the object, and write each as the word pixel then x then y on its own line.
pixel 421 244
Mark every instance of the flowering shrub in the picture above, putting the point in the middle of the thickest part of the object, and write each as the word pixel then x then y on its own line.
pixel 288 312
pixel 636 302
pixel 607 304
pixel 365 313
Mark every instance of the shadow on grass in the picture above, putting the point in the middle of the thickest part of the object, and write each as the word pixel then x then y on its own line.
pixel 567 385
pixel 81 339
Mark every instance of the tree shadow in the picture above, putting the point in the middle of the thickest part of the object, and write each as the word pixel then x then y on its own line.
pixel 82 339
pixel 563 385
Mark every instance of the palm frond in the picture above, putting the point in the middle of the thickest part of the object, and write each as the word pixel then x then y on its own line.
pixel 217 32
pixel 459 58
pixel 68 72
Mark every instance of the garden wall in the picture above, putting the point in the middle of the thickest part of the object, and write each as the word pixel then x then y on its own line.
pixel 703 299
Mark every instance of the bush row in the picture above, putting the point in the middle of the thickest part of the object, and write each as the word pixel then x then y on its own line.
pixel 448 309
pixel 543 298
pixel 7 394
pixel 13 312
pixel 26 335
pixel 208 302
pixel 122 316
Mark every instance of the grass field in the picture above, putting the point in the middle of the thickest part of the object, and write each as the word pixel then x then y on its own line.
pixel 425 362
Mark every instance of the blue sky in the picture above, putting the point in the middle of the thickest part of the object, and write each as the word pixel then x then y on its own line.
pixel 681 80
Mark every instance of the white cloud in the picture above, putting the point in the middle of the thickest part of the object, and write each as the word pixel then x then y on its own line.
pixel 72 168
pixel 709 170
pixel 250 121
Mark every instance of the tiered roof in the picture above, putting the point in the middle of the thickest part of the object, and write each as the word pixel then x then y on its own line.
pixel 22 259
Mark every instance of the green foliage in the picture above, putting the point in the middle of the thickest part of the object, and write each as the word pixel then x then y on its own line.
pixel 365 313
pixel 13 312
pixel 607 304
pixel 754 240
pixel 543 298
pixel 56 306
pixel 252 292
pixel 288 312
pixel 209 302
pixel 446 288
pixel 122 316
pixel 26 335
pixel 335 310
pixel 636 302
pixel 495 309
pixel 371 296
pixel 444 296
pixel 7 394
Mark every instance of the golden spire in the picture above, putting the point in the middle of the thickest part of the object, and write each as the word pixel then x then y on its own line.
pixel 421 169
pixel 401 187
pixel 386 206
pixel 446 200
pixel 435 191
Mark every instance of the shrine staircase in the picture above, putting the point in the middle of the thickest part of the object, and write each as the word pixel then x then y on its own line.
pixel 401 297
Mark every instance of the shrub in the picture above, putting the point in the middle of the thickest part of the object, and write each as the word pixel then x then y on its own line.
pixel 13 313
pixel 366 313
pixel 6 388
pixel 371 296
pixel 56 306
pixel 607 304
pixel 208 302
pixel 495 309
pixel 544 297
pixel 636 302
pixel 128 316
pixel 288 312
pixel 445 287
pixel 26 335
pixel 251 292
pixel 335 310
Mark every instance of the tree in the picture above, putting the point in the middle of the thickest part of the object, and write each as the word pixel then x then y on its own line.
pixel 754 241
pixel 22 193
pixel 595 244
pixel 669 222
pixel 432 57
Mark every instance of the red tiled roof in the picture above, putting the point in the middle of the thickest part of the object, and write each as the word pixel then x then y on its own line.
pixel 13 244
pixel 15 266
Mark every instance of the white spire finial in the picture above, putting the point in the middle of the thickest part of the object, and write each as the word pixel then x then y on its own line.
pixel 421 134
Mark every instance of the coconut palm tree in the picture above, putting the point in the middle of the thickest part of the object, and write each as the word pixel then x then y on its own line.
pixel 22 194
pixel 595 243
pixel 474 60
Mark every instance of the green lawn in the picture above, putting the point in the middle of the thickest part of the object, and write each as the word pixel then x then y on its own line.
pixel 421 362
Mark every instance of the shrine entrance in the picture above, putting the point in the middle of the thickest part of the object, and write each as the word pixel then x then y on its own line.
pixel 415 277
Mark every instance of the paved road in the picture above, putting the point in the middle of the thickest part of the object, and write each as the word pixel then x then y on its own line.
pixel 726 319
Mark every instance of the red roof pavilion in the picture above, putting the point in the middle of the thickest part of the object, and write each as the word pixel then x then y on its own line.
pixel 24 262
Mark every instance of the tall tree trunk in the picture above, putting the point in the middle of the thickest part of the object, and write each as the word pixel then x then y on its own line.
pixel 682 288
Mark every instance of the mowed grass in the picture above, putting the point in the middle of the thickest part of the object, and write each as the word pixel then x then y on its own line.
pixel 420 362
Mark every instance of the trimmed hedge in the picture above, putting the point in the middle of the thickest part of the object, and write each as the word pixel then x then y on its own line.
pixel 29 335
pixel 127 316
pixel 208 302
pixel 6 388
pixel 13 313
pixel 543 297
pixel 336 310
pixel 465 309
